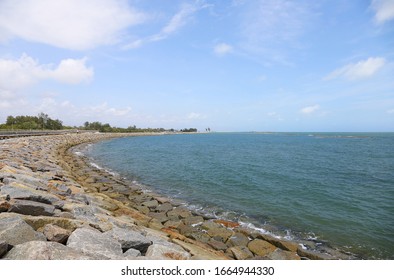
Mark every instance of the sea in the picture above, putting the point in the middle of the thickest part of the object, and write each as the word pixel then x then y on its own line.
pixel 328 190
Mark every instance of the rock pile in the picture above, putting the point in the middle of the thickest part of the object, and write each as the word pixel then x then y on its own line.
pixel 53 205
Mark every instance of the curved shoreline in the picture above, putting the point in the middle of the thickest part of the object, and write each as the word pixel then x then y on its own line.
pixel 90 199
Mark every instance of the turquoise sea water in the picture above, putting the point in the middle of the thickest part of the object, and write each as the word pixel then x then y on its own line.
pixel 333 188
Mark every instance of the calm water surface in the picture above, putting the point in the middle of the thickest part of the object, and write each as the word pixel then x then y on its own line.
pixel 334 188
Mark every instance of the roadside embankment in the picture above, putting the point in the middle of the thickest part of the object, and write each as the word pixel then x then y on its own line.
pixel 54 205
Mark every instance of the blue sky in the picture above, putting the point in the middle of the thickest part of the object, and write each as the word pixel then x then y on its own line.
pixel 238 65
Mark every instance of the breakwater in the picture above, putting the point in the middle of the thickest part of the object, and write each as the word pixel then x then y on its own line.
pixel 53 205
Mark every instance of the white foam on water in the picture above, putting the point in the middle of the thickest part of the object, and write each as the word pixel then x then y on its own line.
pixel 95 165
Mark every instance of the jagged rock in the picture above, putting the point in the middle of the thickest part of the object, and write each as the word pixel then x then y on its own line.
pixel 172 224
pixel 238 239
pixel 155 224
pixel 129 239
pixel 132 253
pixel 56 234
pixel 87 213
pixel 173 252
pixel 41 221
pixel 14 230
pixel 40 250
pixel 104 202
pixel 30 180
pixel 165 207
pixel 208 225
pixel 221 234
pixel 186 229
pixel 283 244
pixel 33 208
pixel 193 220
pixel 241 252
pixel 200 252
pixel 26 193
pixel 95 244
pixel 260 247
pixel 313 255
pixel 217 245
pixel 280 254
pixel 179 212
pixel 60 189
pixel 161 217
pixel 151 203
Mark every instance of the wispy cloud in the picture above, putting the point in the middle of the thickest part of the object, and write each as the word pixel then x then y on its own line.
pixel 69 24
pixel 222 49
pixel 267 24
pixel 179 20
pixel 310 109
pixel 391 111
pixel 384 10
pixel 360 70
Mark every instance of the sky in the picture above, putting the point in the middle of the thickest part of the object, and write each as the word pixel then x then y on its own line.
pixel 236 65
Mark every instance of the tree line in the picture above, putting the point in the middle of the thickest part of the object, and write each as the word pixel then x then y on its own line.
pixel 44 122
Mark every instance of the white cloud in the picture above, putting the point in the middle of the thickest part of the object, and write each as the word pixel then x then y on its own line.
pixel 310 109
pixel 391 111
pixel 25 71
pixel 269 25
pixel 73 71
pixel 222 49
pixel 104 109
pixel 384 10
pixel 359 70
pixel 179 20
pixel 70 24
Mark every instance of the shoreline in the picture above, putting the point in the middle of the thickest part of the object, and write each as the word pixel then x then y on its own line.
pixel 85 200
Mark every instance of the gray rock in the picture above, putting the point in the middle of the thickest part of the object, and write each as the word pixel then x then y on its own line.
pixel 14 230
pixel 241 253
pixel 220 234
pixel 56 234
pixel 95 244
pixel 151 203
pixel 41 250
pixel 129 239
pixel 30 181
pixel 280 254
pixel 165 207
pixel 28 194
pixel 132 253
pixel 217 245
pixel 208 225
pixel 179 212
pixel 159 251
pixel 193 220
pixel 85 213
pixel 33 208
pixel 238 239
pixel 161 217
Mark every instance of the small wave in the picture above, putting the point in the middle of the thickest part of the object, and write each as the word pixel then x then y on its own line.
pixel 95 166
pixel 80 154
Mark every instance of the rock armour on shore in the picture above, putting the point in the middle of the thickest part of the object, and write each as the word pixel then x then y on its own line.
pixel 53 205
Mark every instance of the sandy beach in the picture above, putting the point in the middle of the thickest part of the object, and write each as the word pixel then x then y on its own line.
pixel 55 205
